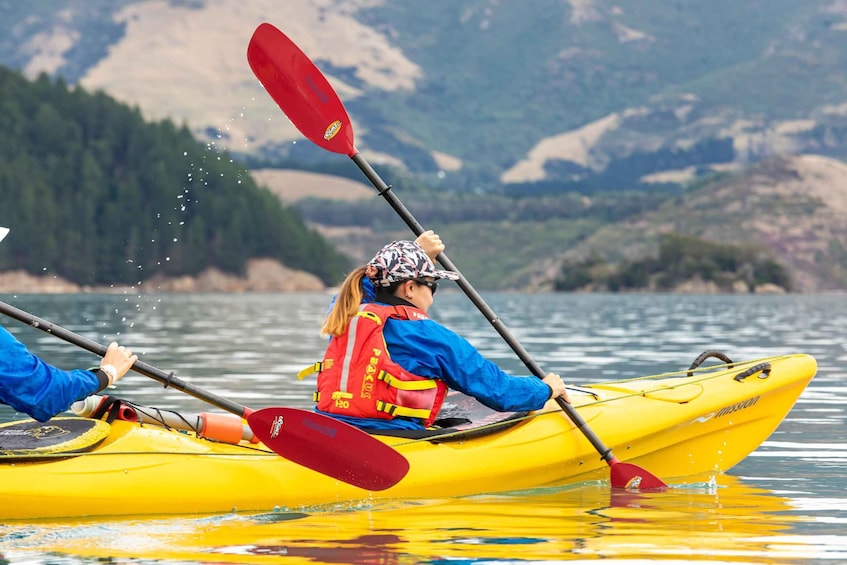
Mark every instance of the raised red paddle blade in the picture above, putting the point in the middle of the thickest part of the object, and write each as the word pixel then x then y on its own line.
pixel 300 90
pixel 328 446
pixel 632 477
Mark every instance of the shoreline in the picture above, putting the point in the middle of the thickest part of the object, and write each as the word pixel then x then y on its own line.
pixel 262 275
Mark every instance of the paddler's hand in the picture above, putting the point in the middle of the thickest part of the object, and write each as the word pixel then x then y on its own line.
pixel 557 386
pixel 117 361
pixel 431 243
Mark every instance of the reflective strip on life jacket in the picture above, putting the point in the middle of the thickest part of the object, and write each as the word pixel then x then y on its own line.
pixel 351 344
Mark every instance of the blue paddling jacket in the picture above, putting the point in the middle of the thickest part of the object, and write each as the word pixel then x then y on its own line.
pixel 30 385
pixel 428 349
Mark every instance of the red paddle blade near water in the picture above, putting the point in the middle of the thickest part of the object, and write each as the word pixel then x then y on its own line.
pixel 329 446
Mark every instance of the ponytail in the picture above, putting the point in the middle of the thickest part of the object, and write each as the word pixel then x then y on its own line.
pixel 346 304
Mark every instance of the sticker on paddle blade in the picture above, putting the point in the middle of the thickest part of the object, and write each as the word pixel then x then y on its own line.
pixel 332 130
pixel 276 426
pixel 329 446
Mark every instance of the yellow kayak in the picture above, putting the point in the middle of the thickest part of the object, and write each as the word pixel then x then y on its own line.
pixel 704 420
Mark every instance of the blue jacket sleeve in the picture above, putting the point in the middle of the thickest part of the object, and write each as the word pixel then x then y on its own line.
pixel 428 349
pixel 30 385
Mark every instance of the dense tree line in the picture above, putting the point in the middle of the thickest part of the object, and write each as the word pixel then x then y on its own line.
pixel 681 258
pixel 447 208
pixel 95 194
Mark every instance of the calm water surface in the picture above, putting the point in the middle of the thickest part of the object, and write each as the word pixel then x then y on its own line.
pixel 784 503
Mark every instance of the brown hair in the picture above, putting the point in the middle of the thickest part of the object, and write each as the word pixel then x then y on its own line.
pixel 346 304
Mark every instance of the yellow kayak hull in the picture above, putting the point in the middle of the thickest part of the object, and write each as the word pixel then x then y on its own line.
pixel 674 426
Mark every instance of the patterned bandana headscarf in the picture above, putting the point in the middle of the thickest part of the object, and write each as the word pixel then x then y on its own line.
pixel 403 260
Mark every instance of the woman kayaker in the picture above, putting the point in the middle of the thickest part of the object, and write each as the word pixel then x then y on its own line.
pixel 389 366
pixel 30 385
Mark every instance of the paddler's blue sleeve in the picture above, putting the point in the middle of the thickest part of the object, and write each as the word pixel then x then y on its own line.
pixel 428 349
pixel 30 385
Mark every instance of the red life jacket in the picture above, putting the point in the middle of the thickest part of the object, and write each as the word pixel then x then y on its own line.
pixel 358 378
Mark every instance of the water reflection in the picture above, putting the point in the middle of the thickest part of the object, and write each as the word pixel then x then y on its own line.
pixel 722 518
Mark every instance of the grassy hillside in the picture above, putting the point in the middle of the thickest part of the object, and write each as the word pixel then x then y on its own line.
pixel 785 213
pixel 489 111
pixel 496 240
pixel 792 208
pixel 459 93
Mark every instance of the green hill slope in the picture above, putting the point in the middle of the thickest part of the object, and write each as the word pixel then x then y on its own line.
pixel 577 94
pixel 791 209
pixel 96 195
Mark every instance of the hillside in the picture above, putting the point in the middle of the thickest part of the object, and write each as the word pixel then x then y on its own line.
pixel 292 185
pixel 526 133
pixel 77 157
pixel 791 207
pixel 570 94
pixel 97 196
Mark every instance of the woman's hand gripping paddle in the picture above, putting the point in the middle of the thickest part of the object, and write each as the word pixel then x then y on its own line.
pixel 319 442
pixel 310 102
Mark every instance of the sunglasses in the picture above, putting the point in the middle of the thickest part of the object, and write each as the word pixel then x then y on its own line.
pixel 433 286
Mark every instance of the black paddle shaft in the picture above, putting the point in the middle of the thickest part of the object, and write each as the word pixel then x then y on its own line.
pixel 386 192
pixel 148 370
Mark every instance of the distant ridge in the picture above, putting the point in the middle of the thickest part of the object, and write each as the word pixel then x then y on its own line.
pixel 475 94
pixel 794 207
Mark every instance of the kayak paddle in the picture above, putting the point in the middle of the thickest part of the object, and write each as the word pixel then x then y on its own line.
pixel 306 97
pixel 319 442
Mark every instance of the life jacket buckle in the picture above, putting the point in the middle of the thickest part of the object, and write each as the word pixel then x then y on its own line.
pixel 313 368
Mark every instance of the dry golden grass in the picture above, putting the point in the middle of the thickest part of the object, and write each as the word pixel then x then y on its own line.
pixel 189 64
pixel 290 185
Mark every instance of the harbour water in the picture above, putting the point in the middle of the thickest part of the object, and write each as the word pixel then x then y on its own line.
pixel 783 503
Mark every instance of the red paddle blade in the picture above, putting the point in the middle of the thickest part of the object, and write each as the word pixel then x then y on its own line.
pixel 300 89
pixel 330 447
pixel 632 477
